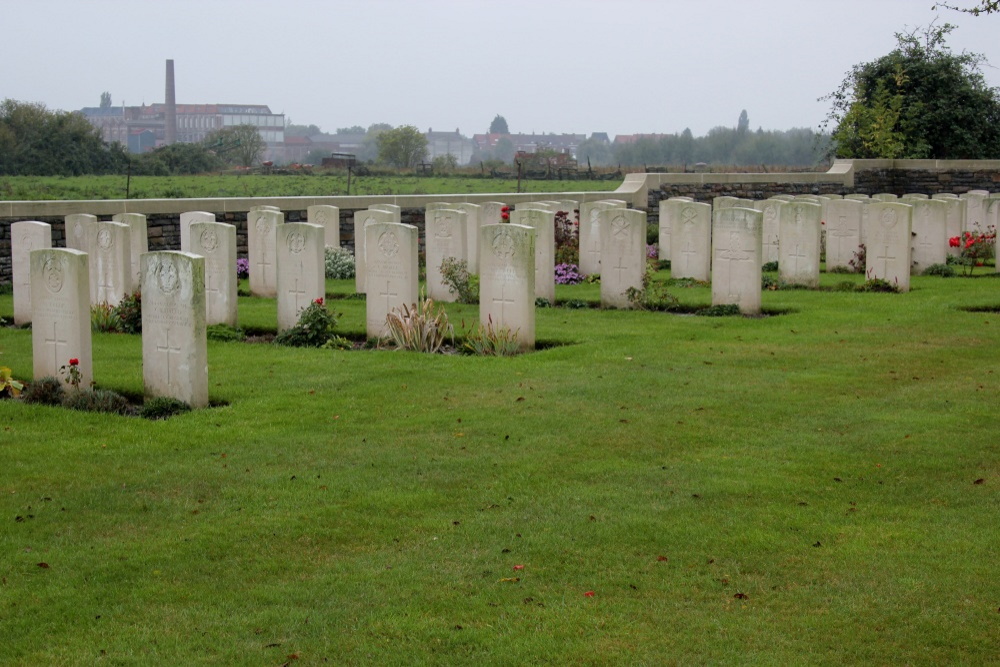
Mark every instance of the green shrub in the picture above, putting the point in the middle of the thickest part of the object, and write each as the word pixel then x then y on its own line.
pixel 576 304
pixel 840 269
pixel 720 310
pixel 314 328
pixel 98 400
pixel 490 341
pixel 224 333
pixel 943 270
pixel 769 266
pixel 44 391
pixel 339 263
pixel 129 311
pixel 419 329
pixel 464 285
pixel 162 407
pixel 103 317
pixel 876 285
pixel 652 296
pixel 542 302
pixel 338 343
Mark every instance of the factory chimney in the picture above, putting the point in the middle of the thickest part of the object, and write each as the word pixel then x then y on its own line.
pixel 170 101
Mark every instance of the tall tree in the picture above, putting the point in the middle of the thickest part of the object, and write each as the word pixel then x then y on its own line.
pixel 403 146
pixel 237 144
pixel 105 100
pixel 499 125
pixel 743 124
pixel 919 101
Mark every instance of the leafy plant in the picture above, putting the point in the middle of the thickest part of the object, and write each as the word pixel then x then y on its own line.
pixel 129 311
pixel 224 333
pixel 104 317
pixel 98 400
pixel 975 248
pixel 419 329
pixel 857 262
pixel 243 268
pixel 44 391
pixel 943 270
pixel 491 341
pixel 9 387
pixel 567 238
pixel 876 285
pixel 313 329
pixel 339 263
pixel 161 407
pixel 542 302
pixel 455 275
pixel 720 310
pixel 576 304
pixel 568 274
pixel 652 296
pixel 338 343
pixel 769 267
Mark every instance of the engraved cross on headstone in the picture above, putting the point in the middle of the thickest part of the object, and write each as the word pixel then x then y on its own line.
pixel 296 292
pixel 886 258
pixel 502 301
pixel 687 252
pixel 55 342
pixel 388 296
pixel 165 348
pixel 797 255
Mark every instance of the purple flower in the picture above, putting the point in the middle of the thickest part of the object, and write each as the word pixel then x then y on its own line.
pixel 653 251
pixel 243 268
pixel 568 274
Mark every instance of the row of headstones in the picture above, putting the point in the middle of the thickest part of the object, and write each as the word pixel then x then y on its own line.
pixel 793 228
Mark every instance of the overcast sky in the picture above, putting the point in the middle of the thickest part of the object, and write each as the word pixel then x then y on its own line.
pixel 616 66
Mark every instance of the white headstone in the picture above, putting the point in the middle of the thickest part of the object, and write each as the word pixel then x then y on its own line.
pixel 724 202
pixel 543 222
pixel 887 253
pixel 392 272
pixel 397 212
pixel 362 218
pixel 691 242
pixel 590 235
pixel 975 212
pixel 80 231
pixel 663 238
pixel 216 242
pixel 111 263
pixel 885 197
pixel 445 231
pixel 262 238
pixel 187 217
pixel 857 197
pixel 139 236
pixel 736 258
pixel 24 237
pixel 301 275
pixel 60 312
pixel 327 217
pixel 770 212
pixel 623 254
pixel 507 280
pixel 843 232
pixel 174 343
pixel 799 239
pixel 473 220
pixel 930 233
pixel 954 218
pixel 490 213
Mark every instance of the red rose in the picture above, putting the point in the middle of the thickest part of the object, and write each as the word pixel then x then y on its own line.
pixel 505 216
pixel 504 209
pixel 319 301
pixel 954 242
pixel 74 362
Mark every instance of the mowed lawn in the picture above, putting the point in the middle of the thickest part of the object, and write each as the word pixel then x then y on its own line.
pixel 816 486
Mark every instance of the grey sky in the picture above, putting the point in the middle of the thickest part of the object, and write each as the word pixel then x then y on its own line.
pixel 621 66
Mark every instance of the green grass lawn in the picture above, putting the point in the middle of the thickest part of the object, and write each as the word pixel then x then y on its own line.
pixel 799 488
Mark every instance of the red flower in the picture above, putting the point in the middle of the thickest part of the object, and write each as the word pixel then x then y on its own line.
pixel 319 301
pixel 954 242
pixel 504 209
pixel 505 216
pixel 518 567
pixel 588 594
pixel 74 362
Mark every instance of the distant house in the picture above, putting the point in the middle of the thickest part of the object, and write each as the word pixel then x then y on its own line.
pixel 532 143
pixel 623 139
pixel 600 136
pixel 449 143
pixel 297 149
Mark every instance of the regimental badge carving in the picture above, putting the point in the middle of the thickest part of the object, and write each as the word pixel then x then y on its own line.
pixel 55 275
pixel 444 227
pixel 105 240
pixel 209 240
pixel 688 214
pixel 798 215
pixel 79 231
pixel 321 217
pixel 263 226
pixel 166 277
pixel 503 244
pixel 889 218
pixel 619 227
pixel 296 242
pixel 771 212
pixel 388 244
pixel 594 212
pixel 27 242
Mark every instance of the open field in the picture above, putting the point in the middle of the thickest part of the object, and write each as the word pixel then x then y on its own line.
pixel 818 486
pixel 33 188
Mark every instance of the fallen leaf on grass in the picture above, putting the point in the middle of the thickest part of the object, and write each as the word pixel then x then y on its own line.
pixel 979 481
pixel 518 567
pixel 512 580
pixel 44 566
pixel 588 594
pixel 519 399
pixel 741 596
pixel 662 558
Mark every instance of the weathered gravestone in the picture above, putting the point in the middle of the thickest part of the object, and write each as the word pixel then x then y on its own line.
pixel 446 230
pixel 473 214
pixel 188 217
pixel 691 242
pixel 930 233
pixel 783 197
pixel 262 239
pixel 507 280
pixel 361 219
pixel 490 212
pixel 799 239
pixel 216 242
pixel 770 210
pixel 301 275
pixel 60 312
pixel 623 254
pixel 724 202
pixel 885 197
pixel 174 343
pixel 543 222
pixel 857 197
pixel 139 237
pixel 590 235
pixel 737 235
pixel 80 231
pixel 327 217
pixel 111 263
pixel 24 237
pixel 396 211
pixel 392 272
pixel 954 217
pixel 843 232
pixel 887 255
pixel 669 214
pixel 975 211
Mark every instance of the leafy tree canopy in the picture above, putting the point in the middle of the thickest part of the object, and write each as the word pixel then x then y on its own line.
pixel 237 144
pixel 919 101
pixel 499 125
pixel 981 7
pixel 403 146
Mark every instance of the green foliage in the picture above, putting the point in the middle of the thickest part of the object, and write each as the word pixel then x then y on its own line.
pixel 919 101
pixel 162 407
pixel 492 341
pixel 943 270
pixel 177 159
pixel 402 147
pixel 224 333
pixel 36 141
pixel 339 263
pixel 720 310
pixel 980 7
pixel 769 267
pixel 499 125
pixel 576 304
pixel 238 144
pixel 652 296
pixel 455 275
pixel 338 343
pixel 44 391
pixel 542 302
pixel 877 285
pixel 801 147
pixel 129 311
pixel 419 329
pixel 9 387
pixel 314 328
pixel 104 317
pixel 444 164
pixel 98 400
